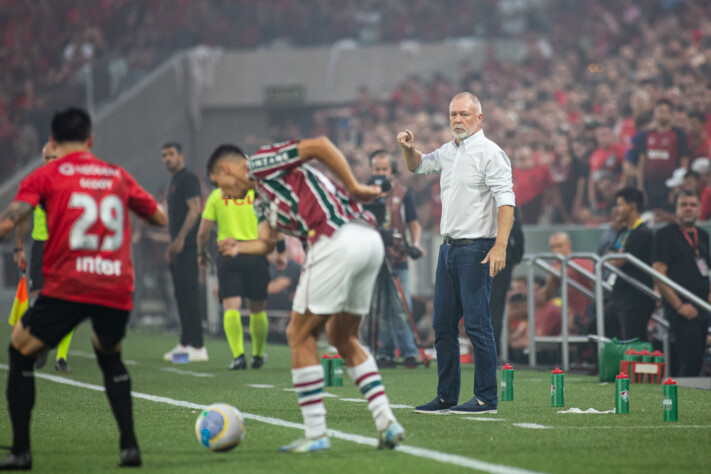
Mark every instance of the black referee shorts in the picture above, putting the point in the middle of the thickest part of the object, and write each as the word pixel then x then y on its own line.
pixel 246 276
pixel 50 319
pixel 36 256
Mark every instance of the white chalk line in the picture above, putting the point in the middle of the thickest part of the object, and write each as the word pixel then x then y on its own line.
pixel 186 372
pixel 425 453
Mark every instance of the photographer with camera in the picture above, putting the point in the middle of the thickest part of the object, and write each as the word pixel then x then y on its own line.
pixel 396 215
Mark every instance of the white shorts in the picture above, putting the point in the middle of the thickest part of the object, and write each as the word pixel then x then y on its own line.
pixel 340 272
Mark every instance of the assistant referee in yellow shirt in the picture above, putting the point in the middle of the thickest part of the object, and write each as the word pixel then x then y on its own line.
pixel 243 276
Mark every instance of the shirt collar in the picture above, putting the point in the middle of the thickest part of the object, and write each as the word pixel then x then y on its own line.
pixel 470 141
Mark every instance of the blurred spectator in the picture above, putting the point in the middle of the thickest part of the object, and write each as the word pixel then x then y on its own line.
pixel 283 283
pixel 578 302
pixel 662 150
pixel 703 167
pixel 605 163
pixel 699 143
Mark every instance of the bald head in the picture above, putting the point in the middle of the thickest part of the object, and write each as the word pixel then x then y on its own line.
pixel 560 243
pixel 48 154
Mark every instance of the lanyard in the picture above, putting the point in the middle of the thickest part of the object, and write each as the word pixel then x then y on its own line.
pixel 695 242
pixel 622 238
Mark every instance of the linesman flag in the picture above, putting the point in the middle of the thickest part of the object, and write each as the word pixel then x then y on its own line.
pixel 19 306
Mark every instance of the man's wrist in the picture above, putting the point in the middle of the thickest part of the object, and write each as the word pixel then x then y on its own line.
pixel 679 307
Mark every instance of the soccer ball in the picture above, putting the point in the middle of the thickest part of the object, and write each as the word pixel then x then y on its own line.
pixel 220 427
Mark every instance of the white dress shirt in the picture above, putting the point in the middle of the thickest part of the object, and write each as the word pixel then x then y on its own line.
pixel 475 181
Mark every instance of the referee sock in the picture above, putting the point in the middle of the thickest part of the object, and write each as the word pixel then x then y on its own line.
pixel 308 382
pixel 118 391
pixel 63 347
pixel 258 328
pixel 367 378
pixel 232 322
pixel 20 398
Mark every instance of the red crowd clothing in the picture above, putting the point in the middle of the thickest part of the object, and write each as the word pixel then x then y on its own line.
pixel 87 258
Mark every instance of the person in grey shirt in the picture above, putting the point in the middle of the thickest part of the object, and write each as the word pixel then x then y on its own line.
pixel 477 215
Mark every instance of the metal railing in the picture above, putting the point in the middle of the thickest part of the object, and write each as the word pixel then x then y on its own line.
pixel 603 263
pixel 538 260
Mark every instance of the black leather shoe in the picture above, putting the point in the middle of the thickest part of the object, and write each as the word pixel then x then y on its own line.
pixel 130 457
pixel 16 462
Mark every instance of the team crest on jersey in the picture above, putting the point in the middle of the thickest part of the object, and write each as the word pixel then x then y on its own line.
pixel 67 169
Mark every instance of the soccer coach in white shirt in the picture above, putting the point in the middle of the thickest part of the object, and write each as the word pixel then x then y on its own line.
pixel 477 215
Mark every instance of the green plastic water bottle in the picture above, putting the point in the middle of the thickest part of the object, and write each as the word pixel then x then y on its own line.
pixel 671 409
pixel 622 393
pixel 326 364
pixel 557 399
pixel 507 378
pixel 336 371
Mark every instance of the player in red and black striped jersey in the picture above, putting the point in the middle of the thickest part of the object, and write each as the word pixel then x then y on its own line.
pixel 87 269
pixel 344 255
pixel 661 149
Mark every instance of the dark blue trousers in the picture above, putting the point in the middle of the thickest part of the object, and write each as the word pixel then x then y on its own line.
pixel 462 290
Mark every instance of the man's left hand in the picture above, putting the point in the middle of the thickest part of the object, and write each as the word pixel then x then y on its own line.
pixel 496 259
pixel 365 193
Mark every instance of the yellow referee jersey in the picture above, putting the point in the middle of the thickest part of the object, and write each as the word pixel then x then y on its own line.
pixel 235 217
pixel 39 228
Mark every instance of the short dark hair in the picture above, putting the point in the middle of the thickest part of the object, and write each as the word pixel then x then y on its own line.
pixel 223 150
pixel 700 116
pixel 178 147
pixel 685 193
pixel 71 125
pixel 631 196
pixel 692 174
pixel 664 101
pixel 381 151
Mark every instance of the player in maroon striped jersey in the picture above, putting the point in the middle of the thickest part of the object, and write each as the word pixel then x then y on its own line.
pixel 87 269
pixel 344 255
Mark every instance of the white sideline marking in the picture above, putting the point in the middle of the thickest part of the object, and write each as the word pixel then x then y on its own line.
pixel 483 418
pixel 186 372
pixel 89 355
pixel 425 453
pixel 363 400
pixel 260 385
pixel 531 426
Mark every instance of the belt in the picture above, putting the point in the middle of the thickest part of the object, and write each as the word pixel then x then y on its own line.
pixel 458 242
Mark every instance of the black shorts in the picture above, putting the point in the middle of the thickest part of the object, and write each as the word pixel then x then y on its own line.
pixel 50 319
pixel 36 276
pixel 246 276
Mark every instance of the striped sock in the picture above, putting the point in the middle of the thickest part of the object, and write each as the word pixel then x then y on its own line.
pixel 308 382
pixel 370 384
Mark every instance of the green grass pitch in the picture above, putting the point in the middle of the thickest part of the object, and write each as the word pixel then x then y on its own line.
pixel 73 429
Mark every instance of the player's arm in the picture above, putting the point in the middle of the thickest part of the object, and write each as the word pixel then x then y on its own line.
pixel 411 155
pixel 263 245
pixel 159 218
pixel 15 213
pixel 18 254
pixel 325 151
pixel 203 237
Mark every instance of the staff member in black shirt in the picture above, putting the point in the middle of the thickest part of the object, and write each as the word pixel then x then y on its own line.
pixel 184 206
pixel 628 311
pixel 681 252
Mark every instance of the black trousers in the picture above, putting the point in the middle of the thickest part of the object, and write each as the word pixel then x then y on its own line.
pixel 184 269
pixel 689 342
pixel 497 301
pixel 626 317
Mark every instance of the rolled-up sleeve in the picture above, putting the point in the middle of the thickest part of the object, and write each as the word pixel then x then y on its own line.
pixel 499 179
pixel 429 164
